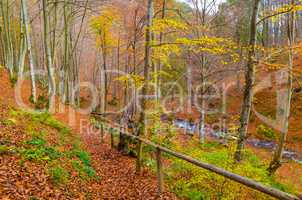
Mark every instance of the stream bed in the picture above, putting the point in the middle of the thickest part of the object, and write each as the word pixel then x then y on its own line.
pixel 191 128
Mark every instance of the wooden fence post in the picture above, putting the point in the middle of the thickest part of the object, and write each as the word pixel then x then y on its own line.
pixel 102 132
pixel 220 171
pixel 111 132
pixel 139 151
pixel 160 177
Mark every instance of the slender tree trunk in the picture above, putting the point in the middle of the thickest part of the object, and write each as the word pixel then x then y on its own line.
pixel 23 46
pixel 134 107
pixel 147 65
pixel 2 46
pixel 276 162
pixel 202 102
pixel 66 62
pixel 29 48
pixel 54 33
pixel 48 58
pixel 159 65
pixel 103 78
pixel 9 60
pixel 203 70
pixel 249 82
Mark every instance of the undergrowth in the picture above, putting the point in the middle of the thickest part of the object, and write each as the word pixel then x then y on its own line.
pixel 61 152
pixel 193 183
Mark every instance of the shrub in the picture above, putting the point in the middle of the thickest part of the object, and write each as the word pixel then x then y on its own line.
pixel 8 122
pixel 86 172
pixel 58 175
pixel 5 149
pixel 42 102
pixel 38 151
pixel 267 132
pixel 83 165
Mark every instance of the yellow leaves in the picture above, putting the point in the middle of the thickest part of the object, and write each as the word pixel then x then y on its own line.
pixel 104 21
pixel 163 52
pixel 103 25
pixel 163 25
pixel 275 14
pixel 212 45
pixel 161 73
pixel 132 79
pixel 274 66
pixel 298 8
pixel 214 42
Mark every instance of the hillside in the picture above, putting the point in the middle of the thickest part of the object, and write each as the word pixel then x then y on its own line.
pixel 42 158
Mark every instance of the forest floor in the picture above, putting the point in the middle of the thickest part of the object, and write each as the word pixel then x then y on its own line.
pixel 29 168
pixel 265 103
pixel 23 179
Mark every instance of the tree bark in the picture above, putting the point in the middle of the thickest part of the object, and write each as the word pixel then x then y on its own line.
pixel 22 47
pixel 249 82
pixel 147 65
pixel 29 48
pixel 48 57
pixel 159 65
pixel 276 162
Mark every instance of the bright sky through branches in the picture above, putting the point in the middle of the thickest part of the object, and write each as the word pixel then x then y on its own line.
pixel 217 1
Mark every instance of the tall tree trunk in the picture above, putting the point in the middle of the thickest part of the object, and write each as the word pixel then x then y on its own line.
pixel 22 47
pixel 249 82
pixel 276 162
pixel 202 77
pixel 48 57
pixel 29 48
pixel 147 65
pixel 202 102
pixel 66 81
pixel 159 65
pixel 54 33
pixel 103 77
pixel 9 54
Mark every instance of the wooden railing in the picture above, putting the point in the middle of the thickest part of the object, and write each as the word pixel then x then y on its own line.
pixel 232 176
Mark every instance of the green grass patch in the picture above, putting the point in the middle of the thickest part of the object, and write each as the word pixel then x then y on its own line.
pixel 189 181
pixel 82 164
pixel 64 149
pixel 58 175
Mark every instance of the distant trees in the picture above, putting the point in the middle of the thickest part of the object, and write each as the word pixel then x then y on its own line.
pixel 20 44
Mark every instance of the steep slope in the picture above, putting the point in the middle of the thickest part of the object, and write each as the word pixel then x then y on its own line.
pixel 42 158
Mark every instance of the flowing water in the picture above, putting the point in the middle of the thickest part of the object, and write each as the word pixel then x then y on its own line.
pixel 191 128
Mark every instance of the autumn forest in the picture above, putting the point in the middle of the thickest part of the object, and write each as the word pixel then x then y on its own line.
pixel 151 99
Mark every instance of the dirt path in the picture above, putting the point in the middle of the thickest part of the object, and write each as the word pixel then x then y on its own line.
pixel 116 171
